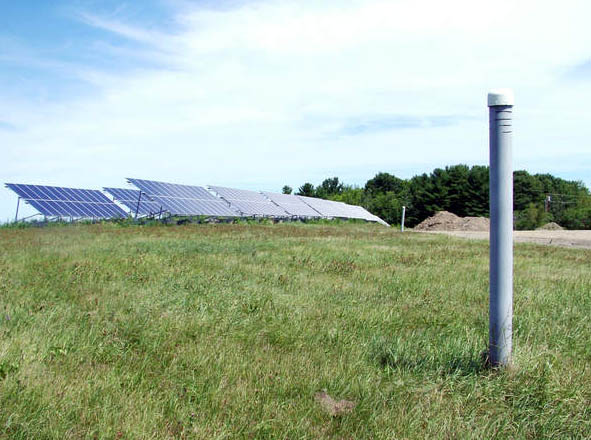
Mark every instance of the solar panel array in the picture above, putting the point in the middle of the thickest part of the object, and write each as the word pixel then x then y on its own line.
pixel 184 199
pixel 152 198
pixel 136 204
pixel 55 201
pixel 250 202
pixel 293 205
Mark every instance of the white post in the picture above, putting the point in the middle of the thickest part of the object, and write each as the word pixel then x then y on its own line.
pixel 402 222
pixel 500 103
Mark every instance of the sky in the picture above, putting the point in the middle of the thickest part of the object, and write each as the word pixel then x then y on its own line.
pixel 265 93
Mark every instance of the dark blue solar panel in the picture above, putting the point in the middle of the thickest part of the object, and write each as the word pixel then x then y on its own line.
pixel 124 193
pixel 131 197
pixel 184 199
pixel 67 202
pixel 42 207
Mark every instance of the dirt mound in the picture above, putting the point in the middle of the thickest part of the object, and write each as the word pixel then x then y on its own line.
pixel 552 226
pixel 447 221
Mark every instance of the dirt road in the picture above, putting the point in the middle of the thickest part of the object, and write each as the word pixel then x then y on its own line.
pixel 572 239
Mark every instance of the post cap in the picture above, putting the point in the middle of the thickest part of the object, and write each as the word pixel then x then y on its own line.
pixel 500 97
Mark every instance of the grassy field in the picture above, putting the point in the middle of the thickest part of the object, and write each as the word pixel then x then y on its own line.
pixel 229 331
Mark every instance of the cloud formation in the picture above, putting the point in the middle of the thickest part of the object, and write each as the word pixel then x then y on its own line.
pixel 266 93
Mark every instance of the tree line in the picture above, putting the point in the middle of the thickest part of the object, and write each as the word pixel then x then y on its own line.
pixel 463 190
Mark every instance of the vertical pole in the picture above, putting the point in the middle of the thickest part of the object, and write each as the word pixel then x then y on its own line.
pixel 500 103
pixel 18 202
pixel 402 222
pixel 138 205
pixel 546 204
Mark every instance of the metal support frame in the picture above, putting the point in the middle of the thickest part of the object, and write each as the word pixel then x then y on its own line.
pixel 18 202
pixel 500 105
pixel 139 199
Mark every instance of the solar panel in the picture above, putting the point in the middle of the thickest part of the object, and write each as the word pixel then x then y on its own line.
pixel 328 208
pixel 55 201
pixel 358 212
pixel 131 199
pixel 250 202
pixel 292 204
pixel 331 208
pixel 184 199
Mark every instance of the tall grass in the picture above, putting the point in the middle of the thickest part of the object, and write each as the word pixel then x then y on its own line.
pixel 228 331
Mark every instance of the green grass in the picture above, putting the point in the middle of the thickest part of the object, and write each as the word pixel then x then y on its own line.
pixel 228 331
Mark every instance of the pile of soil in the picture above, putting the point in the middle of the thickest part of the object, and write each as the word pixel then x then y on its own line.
pixel 447 221
pixel 552 226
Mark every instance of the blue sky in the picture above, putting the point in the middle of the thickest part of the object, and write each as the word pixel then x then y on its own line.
pixel 259 94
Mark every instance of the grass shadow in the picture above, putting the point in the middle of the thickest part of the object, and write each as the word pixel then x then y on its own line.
pixel 422 354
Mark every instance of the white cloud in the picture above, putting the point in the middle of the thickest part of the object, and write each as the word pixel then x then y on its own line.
pixel 260 95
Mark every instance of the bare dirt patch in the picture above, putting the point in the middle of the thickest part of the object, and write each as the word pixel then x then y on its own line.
pixel 571 239
pixel 478 228
pixel 333 407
